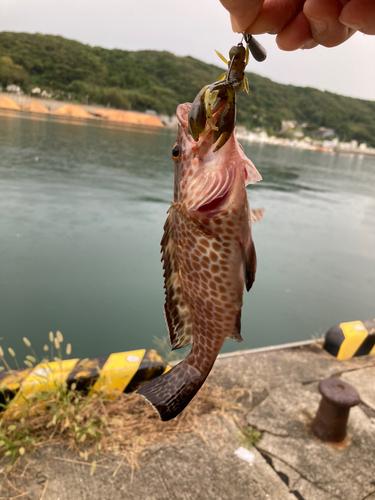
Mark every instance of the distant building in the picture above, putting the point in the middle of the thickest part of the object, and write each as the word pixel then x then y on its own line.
pixel 15 89
pixel 45 94
pixel 324 132
pixel 298 134
pixel 348 145
pixel 36 90
pixel 287 125
pixel 169 121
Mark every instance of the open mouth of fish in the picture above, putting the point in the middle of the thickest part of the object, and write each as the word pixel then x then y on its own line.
pixel 210 188
pixel 214 205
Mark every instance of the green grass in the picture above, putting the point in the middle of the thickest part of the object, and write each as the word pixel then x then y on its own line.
pixel 249 437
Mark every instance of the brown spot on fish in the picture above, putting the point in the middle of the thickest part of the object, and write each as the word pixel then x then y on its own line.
pixel 213 256
pixel 215 268
pixel 216 246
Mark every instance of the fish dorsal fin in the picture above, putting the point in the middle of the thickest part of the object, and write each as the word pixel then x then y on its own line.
pixel 176 312
pixel 256 214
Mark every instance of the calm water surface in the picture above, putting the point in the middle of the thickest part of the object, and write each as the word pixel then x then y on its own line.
pixel 82 208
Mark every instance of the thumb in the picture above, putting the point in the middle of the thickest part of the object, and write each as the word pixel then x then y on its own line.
pixel 242 12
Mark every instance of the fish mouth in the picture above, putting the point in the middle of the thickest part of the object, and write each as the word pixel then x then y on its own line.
pixel 211 186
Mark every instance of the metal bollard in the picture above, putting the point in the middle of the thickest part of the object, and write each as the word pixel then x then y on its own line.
pixel 330 421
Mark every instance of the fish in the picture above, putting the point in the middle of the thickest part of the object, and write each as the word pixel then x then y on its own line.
pixel 208 257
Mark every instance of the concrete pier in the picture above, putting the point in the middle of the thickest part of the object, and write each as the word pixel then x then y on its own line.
pixel 289 462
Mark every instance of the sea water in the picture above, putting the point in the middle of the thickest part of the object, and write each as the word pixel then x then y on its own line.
pixel 82 208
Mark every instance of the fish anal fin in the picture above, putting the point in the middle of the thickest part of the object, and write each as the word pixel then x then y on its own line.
pixel 236 334
pixel 250 264
pixel 176 312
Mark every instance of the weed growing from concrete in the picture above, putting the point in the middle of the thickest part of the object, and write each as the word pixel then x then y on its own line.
pixel 249 437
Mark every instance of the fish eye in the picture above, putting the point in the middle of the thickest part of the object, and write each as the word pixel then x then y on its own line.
pixel 176 152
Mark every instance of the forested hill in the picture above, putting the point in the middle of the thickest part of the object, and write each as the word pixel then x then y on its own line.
pixel 160 81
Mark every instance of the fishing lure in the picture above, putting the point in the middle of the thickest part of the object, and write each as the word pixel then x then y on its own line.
pixel 225 87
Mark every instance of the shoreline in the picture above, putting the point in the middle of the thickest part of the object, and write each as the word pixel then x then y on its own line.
pixel 50 107
pixel 333 146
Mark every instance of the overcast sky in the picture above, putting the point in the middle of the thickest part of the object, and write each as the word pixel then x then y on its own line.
pixel 196 28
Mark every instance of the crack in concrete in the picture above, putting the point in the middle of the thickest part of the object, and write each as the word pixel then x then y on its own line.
pixel 337 374
pixel 368 495
pixel 284 435
pixel 258 397
pixel 367 410
pixel 266 452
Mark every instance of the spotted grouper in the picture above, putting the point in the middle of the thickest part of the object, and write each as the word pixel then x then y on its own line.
pixel 208 255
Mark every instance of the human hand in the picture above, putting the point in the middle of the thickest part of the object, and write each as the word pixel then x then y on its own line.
pixel 303 23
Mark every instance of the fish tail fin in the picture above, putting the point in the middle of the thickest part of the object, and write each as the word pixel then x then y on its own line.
pixel 173 391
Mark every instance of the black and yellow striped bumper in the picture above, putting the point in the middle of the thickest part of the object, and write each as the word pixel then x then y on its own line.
pixel 356 338
pixel 109 375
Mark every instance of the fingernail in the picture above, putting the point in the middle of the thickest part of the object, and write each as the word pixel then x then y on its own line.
pixel 352 26
pixel 309 44
pixel 318 26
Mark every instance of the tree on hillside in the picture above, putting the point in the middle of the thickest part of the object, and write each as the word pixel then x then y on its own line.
pixel 150 79
pixel 12 73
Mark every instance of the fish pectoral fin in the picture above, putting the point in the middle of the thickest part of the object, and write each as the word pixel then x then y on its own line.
pixel 176 312
pixel 250 264
pixel 256 214
pixel 236 334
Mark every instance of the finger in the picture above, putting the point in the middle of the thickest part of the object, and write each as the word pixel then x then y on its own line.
pixel 275 15
pixel 325 26
pixel 296 35
pixel 242 12
pixel 359 15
